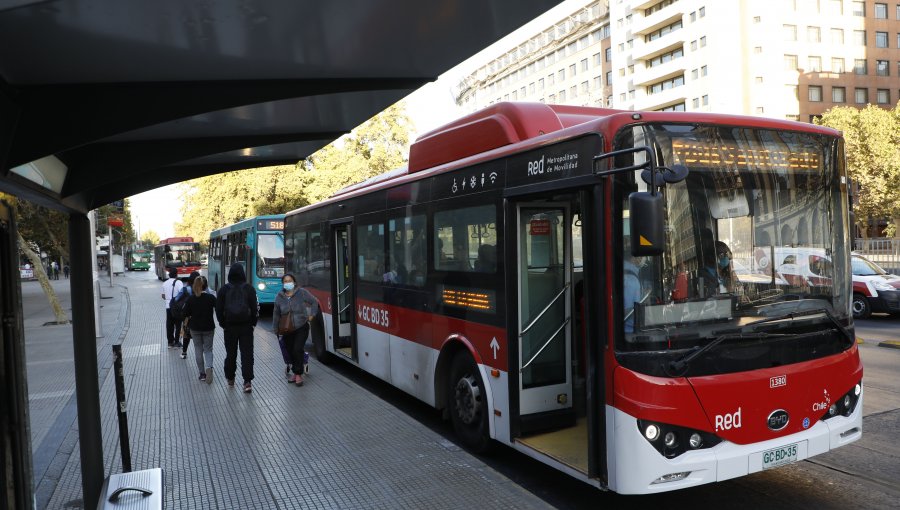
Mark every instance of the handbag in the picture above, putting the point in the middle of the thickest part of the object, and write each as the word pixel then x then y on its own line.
pixel 286 324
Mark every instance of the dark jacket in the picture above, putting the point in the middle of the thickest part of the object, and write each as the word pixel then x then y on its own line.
pixel 295 305
pixel 200 309
pixel 236 279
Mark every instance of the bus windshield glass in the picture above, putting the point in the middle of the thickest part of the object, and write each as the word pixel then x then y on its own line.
pixel 182 254
pixel 757 230
pixel 140 256
pixel 270 255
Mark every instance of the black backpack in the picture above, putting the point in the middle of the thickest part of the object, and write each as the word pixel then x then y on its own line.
pixel 236 308
pixel 178 303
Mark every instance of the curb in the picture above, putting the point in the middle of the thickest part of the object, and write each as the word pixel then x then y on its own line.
pixel 890 344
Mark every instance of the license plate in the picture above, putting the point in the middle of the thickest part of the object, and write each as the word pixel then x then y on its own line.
pixel 779 456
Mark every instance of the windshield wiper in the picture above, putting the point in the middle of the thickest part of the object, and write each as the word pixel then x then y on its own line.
pixel 677 367
pixel 812 311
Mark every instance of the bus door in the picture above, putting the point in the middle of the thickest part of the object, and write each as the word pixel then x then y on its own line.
pixel 545 316
pixel 343 294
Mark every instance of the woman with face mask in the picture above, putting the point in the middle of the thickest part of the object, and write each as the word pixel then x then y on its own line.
pixel 294 308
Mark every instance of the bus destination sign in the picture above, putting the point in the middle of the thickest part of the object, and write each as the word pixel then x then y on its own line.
pixel 269 224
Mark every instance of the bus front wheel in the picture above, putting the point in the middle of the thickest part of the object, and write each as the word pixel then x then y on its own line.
pixel 467 403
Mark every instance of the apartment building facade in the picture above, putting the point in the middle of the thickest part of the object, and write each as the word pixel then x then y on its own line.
pixel 566 63
pixel 789 59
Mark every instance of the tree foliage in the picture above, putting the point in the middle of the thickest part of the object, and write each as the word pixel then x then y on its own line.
pixel 872 147
pixel 149 239
pixel 378 145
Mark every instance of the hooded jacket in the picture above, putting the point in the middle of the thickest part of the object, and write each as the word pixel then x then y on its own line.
pixel 236 279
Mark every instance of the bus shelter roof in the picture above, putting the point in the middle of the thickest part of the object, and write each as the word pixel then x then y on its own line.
pixel 103 99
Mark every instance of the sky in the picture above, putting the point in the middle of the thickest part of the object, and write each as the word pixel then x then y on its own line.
pixel 429 107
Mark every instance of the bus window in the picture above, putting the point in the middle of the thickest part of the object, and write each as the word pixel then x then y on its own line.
pixel 460 235
pixel 406 250
pixel 370 252
pixel 270 255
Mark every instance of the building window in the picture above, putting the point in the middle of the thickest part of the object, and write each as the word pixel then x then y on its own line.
pixel 561 75
pixel 702 70
pixel 790 62
pixel 859 66
pixel 695 74
pixel 757 49
pixel 756 19
pixel 838 95
pixel 665 57
pixel 861 95
pixel 793 92
pixel 883 96
pixel 673 108
pixel 880 11
pixel 596 59
pixel 573 91
pixel 760 109
pixel 656 34
pixel 881 39
pixel 562 96
pixel 703 41
pixel 705 100
pixel 608 54
pixel 814 64
pixel 792 117
pixel 671 83
pixel 898 12
pixel 702 11
pixel 837 65
pixel 551 78
pixel 609 78
pixel 694 45
pixel 859 37
pixel 790 32
pixel 694 15
pixel 815 93
pixel 837 7
pixel 759 79
pixel 631 94
pixel 837 36
pixel 572 70
pixel 552 98
pixel 898 40
pixel 882 68
pixel 696 102
pixel 858 8
pixel 514 95
pixel 813 34
pixel 609 103
pixel 596 83
pixel 541 84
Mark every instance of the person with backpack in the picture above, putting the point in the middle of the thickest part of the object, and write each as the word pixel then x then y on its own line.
pixel 294 308
pixel 199 310
pixel 170 289
pixel 177 307
pixel 237 312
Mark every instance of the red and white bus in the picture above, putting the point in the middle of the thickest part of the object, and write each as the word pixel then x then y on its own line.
pixel 523 276
pixel 179 253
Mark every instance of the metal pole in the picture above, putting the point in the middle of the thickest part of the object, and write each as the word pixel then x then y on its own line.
pixel 95 273
pixel 109 252
pixel 121 408
pixel 84 339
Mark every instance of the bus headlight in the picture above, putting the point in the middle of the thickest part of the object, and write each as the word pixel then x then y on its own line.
pixel 261 286
pixel 672 444
pixel 845 405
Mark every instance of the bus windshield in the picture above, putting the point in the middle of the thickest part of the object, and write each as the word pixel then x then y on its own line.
pixel 185 254
pixel 270 255
pixel 757 230
pixel 140 256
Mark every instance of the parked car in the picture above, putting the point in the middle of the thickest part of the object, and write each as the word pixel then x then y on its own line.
pixel 874 289
pixel 204 260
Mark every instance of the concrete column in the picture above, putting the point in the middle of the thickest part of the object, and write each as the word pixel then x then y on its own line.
pixel 87 386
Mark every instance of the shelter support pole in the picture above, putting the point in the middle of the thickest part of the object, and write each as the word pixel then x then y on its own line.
pixel 87 386
pixel 15 436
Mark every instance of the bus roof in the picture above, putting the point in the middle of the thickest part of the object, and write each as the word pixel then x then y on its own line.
pixel 243 224
pixel 505 128
pixel 175 240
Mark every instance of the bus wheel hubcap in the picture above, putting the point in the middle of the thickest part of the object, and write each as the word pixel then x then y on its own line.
pixel 468 397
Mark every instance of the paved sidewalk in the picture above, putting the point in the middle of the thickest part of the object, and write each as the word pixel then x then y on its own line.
pixel 328 444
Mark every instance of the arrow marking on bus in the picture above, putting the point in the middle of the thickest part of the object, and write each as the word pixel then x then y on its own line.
pixel 495 346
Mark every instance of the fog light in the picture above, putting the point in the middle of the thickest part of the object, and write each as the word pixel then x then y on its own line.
pixel 671 440
pixel 832 409
pixel 261 286
pixel 672 477
pixel 652 432
pixel 857 390
pixel 847 401
pixel 695 440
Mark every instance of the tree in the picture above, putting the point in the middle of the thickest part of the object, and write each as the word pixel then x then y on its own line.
pixel 149 239
pixel 378 145
pixel 872 147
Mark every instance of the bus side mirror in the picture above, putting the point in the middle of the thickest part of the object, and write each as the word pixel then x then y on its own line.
pixel 648 235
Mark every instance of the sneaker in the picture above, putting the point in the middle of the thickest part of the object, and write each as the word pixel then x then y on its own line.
pixel 298 379
pixel 247 387
pixel 183 355
pixel 202 377
pixel 230 383
pixel 208 375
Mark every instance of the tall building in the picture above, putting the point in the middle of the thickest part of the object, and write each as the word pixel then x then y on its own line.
pixel 789 59
pixel 566 63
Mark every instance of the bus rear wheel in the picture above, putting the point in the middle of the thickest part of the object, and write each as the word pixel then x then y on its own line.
pixel 467 403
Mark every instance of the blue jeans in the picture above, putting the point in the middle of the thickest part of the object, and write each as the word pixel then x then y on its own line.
pixel 239 336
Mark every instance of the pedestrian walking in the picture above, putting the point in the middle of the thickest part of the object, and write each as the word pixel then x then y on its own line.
pixel 170 289
pixel 237 312
pixel 294 308
pixel 185 327
pixel 66 271
pixel 199 312
pixel 54 268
